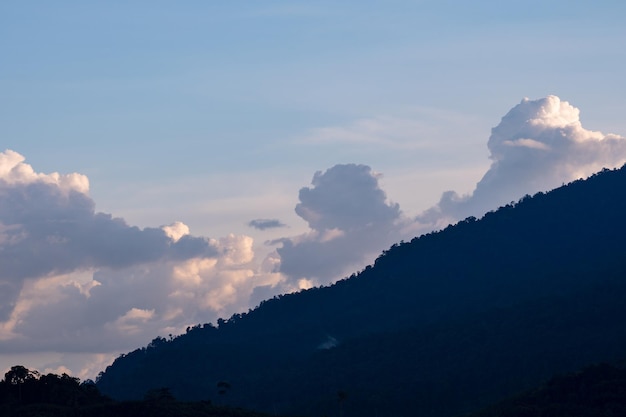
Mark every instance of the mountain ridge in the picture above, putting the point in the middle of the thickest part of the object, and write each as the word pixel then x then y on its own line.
pixel 548 268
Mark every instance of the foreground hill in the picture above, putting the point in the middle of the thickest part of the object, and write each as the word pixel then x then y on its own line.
pixel 444 324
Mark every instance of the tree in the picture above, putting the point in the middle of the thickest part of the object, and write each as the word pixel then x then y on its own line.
pixel 159 395
pixel 341 397
pixel 18 375
pixel 223 387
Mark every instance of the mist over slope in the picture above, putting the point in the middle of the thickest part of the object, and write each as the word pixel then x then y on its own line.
pixel 446 323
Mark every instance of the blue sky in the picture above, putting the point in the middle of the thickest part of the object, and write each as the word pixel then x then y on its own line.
pixel 139 94
pixel 217 113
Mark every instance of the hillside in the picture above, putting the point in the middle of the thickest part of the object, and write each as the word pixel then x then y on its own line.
pixel 598 390
pixel 444 324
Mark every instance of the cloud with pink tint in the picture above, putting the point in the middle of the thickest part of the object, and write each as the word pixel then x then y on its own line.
pixel 48 227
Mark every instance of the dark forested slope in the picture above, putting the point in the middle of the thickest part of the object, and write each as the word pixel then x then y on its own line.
pixel 446 323
pixel 598 390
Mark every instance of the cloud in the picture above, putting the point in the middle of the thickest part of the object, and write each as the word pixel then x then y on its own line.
pixel 350 220
pixel 14 172
pixel 48 226
pixel 176 230
pixel 263 224
pixel 419 129
pixel 537 146
pixel 120 309
pixel 70 273
pixel 345 197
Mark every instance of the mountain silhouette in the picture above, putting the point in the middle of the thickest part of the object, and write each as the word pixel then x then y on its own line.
pixel 597 390
pixel 445 324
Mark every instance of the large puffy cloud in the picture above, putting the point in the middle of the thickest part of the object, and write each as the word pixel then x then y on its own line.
pixel 346 197
pixel 537 146
pixel 75 280
pixel 48 226
pixel 350 221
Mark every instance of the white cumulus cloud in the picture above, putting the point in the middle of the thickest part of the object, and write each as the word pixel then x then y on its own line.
pixel 13 171
pixel 537 146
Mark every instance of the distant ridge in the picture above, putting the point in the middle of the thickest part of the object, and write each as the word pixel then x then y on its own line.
pixel 447 323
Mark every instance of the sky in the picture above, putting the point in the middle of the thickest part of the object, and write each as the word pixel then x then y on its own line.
pixel 164 164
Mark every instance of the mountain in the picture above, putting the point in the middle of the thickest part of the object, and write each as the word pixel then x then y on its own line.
pixel 598 390
pixel 445 324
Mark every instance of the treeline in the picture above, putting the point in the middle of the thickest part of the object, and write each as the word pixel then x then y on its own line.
pixel 22 386
pixel 26 393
